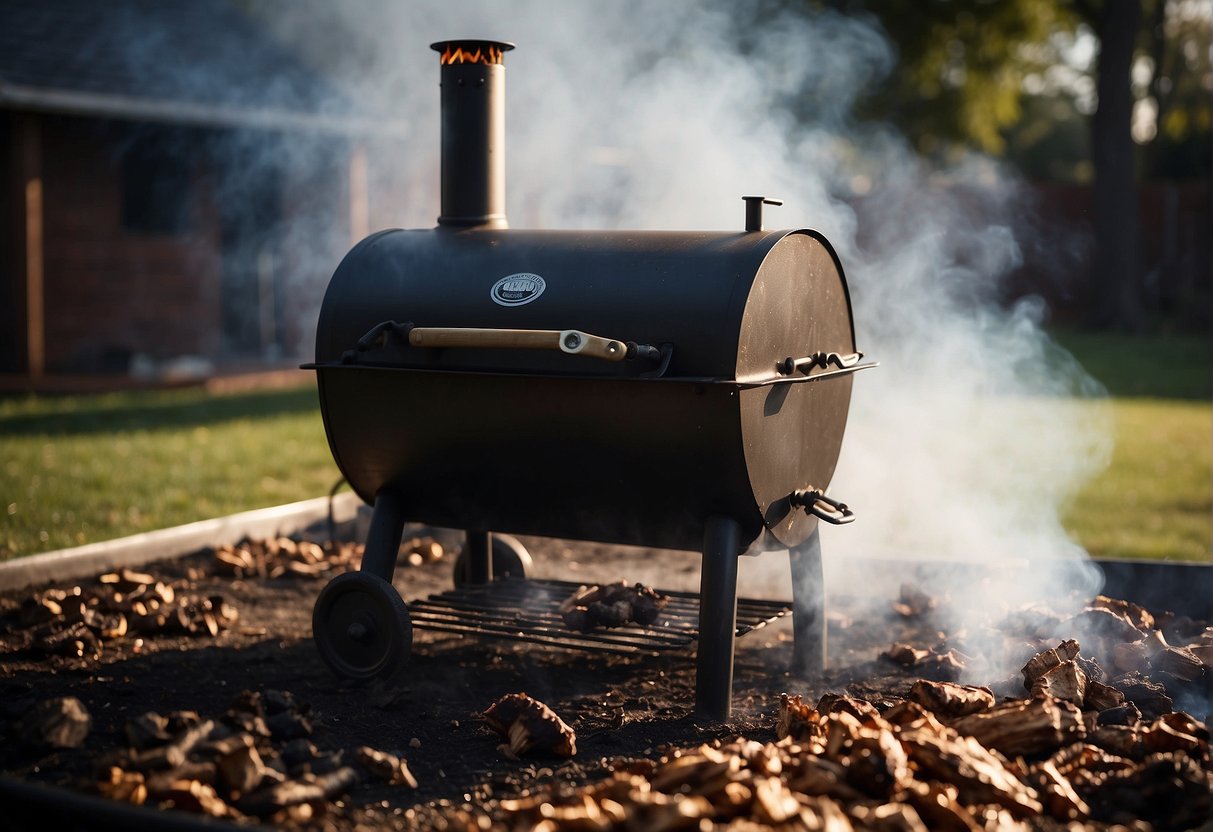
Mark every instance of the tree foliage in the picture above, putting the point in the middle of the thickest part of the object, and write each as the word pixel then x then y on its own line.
pixel 962 67
pixel 1016 76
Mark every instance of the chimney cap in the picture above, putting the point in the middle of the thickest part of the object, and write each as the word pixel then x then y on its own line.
pixel 474 50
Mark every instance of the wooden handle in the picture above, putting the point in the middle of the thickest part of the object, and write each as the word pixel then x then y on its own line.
pixel 507 339
pixel 571 341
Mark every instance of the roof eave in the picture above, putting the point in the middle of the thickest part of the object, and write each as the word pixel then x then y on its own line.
pixel 131 108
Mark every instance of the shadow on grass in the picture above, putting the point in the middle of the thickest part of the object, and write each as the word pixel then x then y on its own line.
pixel 1168 366
pixel 159 412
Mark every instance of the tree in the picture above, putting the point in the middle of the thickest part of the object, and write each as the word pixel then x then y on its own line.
pixel 1117 267
pixel 1167 40
pixel 960 84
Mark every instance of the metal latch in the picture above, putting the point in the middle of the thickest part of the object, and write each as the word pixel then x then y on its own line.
pixel 815 502
pixel 824 360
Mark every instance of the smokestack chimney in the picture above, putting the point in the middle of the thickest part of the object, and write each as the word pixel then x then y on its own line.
pixel 473 132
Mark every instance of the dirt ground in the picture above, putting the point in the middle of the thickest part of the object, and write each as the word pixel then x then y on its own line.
pixel 619 707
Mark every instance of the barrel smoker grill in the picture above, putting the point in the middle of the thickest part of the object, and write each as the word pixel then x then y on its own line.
pixel 683 390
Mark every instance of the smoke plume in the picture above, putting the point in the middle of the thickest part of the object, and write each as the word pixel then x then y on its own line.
pixel 968 441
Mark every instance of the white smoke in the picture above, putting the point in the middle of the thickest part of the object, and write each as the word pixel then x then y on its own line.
pixel 966 443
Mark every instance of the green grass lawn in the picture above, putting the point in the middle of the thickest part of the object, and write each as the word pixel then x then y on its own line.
pixel 75 470
pixel 80 469
pixel 1155 500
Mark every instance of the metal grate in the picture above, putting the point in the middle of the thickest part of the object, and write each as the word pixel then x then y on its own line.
pixel 527 609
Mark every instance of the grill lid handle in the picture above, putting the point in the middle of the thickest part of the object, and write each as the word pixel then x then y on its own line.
pixel 571 341
pixel 392 335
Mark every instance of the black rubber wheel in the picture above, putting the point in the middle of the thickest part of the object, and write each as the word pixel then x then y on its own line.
pixel 361 627
pixel 510 558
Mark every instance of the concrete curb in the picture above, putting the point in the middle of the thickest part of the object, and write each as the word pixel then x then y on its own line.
pixel 137 550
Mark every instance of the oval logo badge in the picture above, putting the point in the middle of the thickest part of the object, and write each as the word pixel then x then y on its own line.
pixel 517 289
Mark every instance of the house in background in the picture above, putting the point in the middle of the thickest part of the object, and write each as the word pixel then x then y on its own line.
pixel 175 189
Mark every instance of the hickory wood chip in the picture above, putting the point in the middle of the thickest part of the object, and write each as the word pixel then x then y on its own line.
pixel 949 699
pixel 62 722
pixel 387 767
pixel 528 724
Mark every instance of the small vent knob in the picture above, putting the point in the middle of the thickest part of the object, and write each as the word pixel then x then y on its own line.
pixel 753 210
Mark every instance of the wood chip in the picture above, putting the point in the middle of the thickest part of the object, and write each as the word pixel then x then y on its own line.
pixel 773 803
pixel 241 769
pixel 1025 727
pixel 1046 660
pixel 938 804
pixel 192 796
pixel 1101 697
pixel 1165 791
pixel 1180 663
pixel 1065 681
pixel 1149 697
pixel 266 801
pixel 62 722
pixel 980 775
pixel 1204 653
pixel 905 654
pixel 173 754
pixel 387 767
pixel 1137 615
pixel 797 720
pixel 123 786
pixel 833 703
pixel 1060 798
pixel 1097 624
pixel 1176 732
pixel 949 699
pixel 528 724
pixel 893 817
pixel 147 730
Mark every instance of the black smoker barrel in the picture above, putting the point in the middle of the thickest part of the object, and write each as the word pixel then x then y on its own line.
pixel 638 451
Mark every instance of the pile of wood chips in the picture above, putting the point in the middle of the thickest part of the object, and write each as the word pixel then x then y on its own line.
pixel 949 757
pixel 125 606
pixel 256 760
pixel 129 606
pixel 1075 744
pixel 278 557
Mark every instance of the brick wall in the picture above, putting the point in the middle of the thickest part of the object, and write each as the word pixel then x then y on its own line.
pixel 111 292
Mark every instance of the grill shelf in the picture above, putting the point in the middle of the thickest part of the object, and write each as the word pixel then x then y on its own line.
pixel 527 609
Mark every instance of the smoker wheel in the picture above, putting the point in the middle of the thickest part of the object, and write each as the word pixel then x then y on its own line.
pixel 361 627
pixel 510 558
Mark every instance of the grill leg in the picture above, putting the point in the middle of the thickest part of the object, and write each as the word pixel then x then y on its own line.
pixel 479 553
pixel 717 618
pixel 383 538
pixel 808 608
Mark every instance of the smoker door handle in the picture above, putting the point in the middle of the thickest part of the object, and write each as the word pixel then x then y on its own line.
pixel 571 341
pixel 815 502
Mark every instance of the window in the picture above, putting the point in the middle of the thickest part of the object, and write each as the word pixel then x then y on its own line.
pixel 155 186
